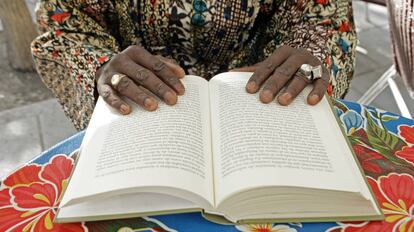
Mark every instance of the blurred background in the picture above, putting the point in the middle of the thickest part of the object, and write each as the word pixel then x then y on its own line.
pixel 31 120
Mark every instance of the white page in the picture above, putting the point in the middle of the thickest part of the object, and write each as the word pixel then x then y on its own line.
pixel 124 205
pixel 258 145
pixel 168 148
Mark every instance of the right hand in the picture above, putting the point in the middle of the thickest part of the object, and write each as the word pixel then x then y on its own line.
pixel 146 76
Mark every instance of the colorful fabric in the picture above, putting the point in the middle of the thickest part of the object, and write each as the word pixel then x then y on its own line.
pixel 383 143
pixel 205 37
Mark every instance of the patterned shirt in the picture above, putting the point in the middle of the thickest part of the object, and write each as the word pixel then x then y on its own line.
pixel 206 37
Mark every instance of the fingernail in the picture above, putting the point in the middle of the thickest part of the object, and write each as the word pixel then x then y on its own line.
pixel 285 98
pixel 124 109
pixel 170 98
pixel 180 89
pixel 251 86
pixel 266 96
pixel 313 99
pixel 150 104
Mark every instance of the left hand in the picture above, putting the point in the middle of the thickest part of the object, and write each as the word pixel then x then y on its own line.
pixel 279 70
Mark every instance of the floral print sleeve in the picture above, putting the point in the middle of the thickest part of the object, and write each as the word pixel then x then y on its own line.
pixel 70 50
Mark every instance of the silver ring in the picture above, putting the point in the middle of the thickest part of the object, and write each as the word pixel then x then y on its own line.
pixel 305 71
pixel 310 72
pixel 115 79
pixel 317 72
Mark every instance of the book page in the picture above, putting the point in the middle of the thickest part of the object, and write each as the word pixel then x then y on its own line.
pixel 169 148
pixel 259 145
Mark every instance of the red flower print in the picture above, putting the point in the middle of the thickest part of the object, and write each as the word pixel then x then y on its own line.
pixel 4 198
pixel 395 195
pixel 407 132
pixel 102 59
pixel 366 157
pixel 58 172
pixel 58 32
pixel 31 196
pixel 406 153
pixel 60 17
pixel 344 27
pixel 322 2
pixel 329 90
pixel 26 175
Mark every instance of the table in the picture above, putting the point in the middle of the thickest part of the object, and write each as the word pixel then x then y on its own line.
pixel 383 142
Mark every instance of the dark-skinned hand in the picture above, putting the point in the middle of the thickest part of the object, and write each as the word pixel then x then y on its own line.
pixel 147 76
pixel 279 71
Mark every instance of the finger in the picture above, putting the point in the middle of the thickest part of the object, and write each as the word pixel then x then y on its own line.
pixel 161 69
pixel 174 66
pixel 147 79
pixel 128 88
pixel 110 97
pixel 142 57
pixel 280 77
pixel 252 68
pixel 266 68
pixel 296 86
pixel 320 87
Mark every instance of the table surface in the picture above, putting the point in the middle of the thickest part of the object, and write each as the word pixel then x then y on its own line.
pixel 383 143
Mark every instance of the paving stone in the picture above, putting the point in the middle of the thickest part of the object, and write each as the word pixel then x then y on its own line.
pixel 32 110
pixel 377 42
pixel 54 124
pixel 363 82
pixel 365 64
pixel 20 142
pixel 18 88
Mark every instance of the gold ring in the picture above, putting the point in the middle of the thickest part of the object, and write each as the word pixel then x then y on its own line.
pixel 115 79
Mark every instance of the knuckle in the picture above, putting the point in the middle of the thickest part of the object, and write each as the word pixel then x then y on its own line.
pixel 268 64
pixel 173 80
pixel 158 65
pixel 160 89
pixel 142 75
pixel 105 92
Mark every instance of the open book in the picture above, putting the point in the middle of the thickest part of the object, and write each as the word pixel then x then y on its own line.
pixel 222 152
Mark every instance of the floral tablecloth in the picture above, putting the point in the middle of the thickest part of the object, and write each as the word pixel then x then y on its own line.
pixel 383 142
